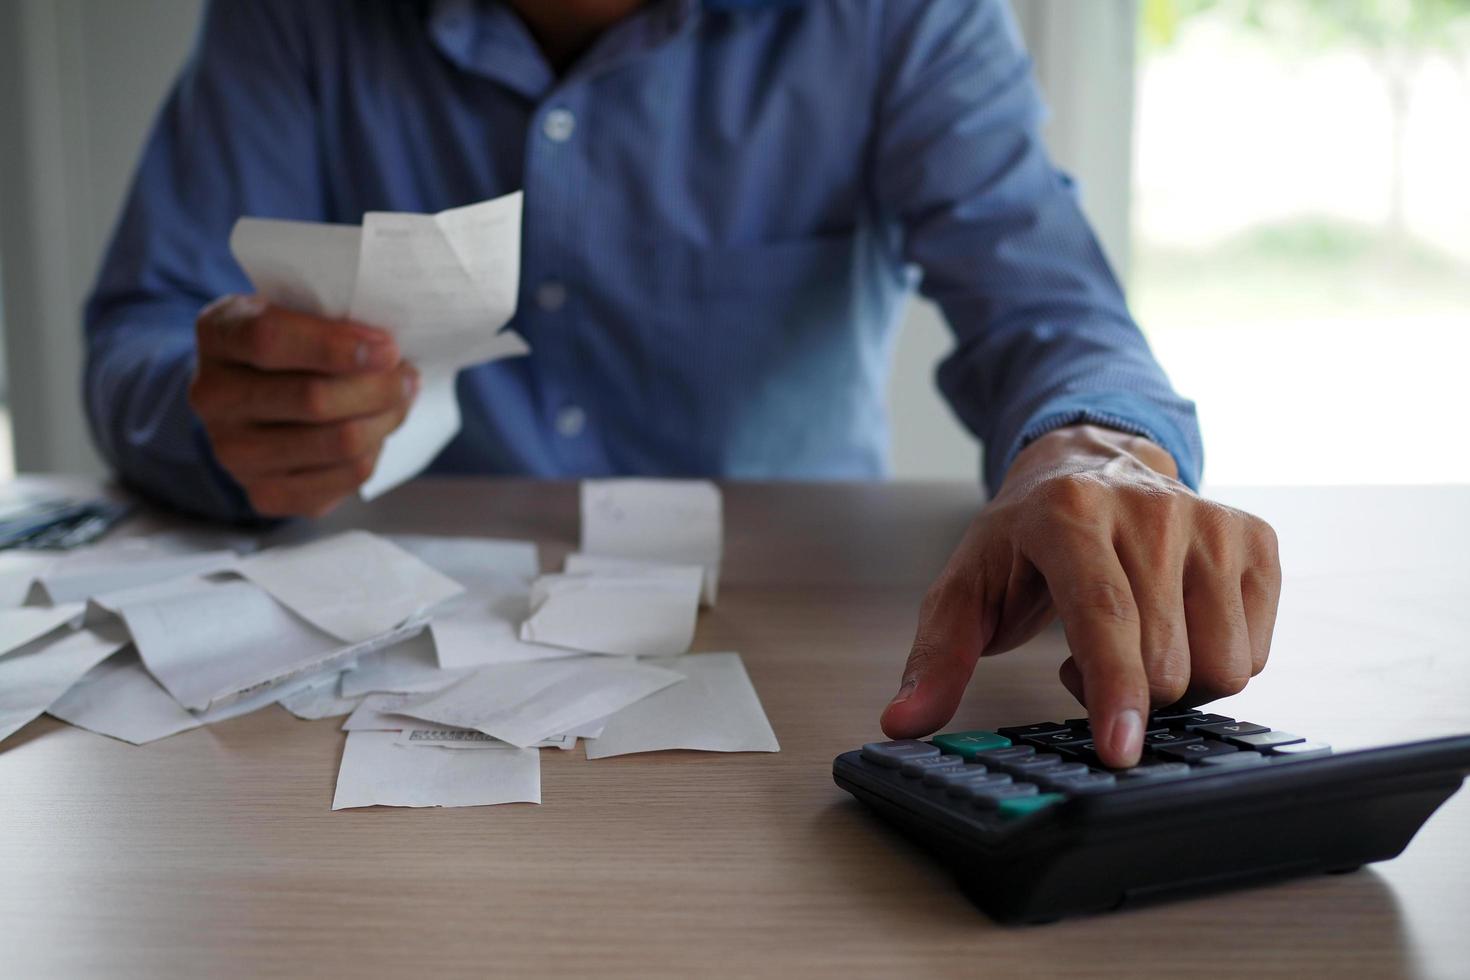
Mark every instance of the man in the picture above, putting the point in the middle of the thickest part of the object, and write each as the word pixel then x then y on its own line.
pixel 724 205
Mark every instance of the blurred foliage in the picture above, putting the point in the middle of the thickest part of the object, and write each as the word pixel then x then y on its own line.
pixel 1307 267
pixel 1384 27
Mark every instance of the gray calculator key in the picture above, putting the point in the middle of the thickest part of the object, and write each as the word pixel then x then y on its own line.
pixel 989 797
pixel 1088 782
pixel 915 768
pixel 1023 768
pixel 1301 750
pixel 891 755
pixel 1234 760
pixel 1065 770
pixel 1264 740
pixel 942 775
pixel 1162 770
pixel 964 784
pixel 1228 729
pixel 996 756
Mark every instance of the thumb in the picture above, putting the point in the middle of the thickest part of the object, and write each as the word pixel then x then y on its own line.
pixel 954 627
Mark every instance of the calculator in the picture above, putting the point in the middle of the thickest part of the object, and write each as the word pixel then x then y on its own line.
pixel 1036 828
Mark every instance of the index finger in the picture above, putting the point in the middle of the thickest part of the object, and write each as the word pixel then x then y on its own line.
pixel 246 330
pixel 1098 611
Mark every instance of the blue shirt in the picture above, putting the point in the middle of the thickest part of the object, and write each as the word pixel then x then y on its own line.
pixel 727 204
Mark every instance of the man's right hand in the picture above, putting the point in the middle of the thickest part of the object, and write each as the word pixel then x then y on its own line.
pixel 296 406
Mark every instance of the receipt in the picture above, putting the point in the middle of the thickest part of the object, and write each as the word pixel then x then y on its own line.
pixel 649 612
pixel 375 771
pixel 524 703
pixel 675 521
pixel 443 284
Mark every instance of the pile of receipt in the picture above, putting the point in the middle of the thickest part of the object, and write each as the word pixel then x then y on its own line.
pixel 455 661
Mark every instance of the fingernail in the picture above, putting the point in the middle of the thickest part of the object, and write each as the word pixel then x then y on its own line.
pixel 374 355
pixel 1127 733
pixel 248 306
pixel 410 385
pixel 909 684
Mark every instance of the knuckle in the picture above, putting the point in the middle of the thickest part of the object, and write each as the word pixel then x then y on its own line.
pixel 1265 543
pixel 270 499
pixel 927 651
pixel 214 314
pixel 1221 680
pixel 1105 600
pixel 1074 495
pixel 321 507
pixel 314 399
pixel 1168 682
pixel 348 440
pixel 227 449
pixel 948 589
pixel 258 338
pixel 1217 536
pixel 362 468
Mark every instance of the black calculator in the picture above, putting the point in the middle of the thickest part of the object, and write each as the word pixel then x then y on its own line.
pixel 1036 828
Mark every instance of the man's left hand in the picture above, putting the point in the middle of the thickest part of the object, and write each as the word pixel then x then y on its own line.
pixel 1165 597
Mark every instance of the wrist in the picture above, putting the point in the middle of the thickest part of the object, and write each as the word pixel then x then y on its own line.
pixel 1077 448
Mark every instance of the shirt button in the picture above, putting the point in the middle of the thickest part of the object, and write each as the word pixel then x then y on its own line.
pixel 570 421
pixel 551 296
pixel 558 125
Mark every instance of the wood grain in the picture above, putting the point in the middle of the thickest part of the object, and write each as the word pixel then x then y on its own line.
pixel 215 852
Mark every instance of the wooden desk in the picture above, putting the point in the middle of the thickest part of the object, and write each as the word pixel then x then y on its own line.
pixel 215 852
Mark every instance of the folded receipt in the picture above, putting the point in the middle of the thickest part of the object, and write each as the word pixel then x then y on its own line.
pixel 442 284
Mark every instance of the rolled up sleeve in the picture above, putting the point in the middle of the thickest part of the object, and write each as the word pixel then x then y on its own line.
pixel 1043 335
pixel 235 136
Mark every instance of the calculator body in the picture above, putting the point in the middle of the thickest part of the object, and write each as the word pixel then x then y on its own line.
pixel 1136 842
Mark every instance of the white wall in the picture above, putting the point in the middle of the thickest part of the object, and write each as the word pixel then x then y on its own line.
pixel 80 81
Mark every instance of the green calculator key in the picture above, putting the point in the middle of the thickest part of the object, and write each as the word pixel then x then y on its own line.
pixel 970 744
pixel 1020 806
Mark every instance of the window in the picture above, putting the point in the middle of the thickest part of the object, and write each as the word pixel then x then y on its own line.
pixel 1301 245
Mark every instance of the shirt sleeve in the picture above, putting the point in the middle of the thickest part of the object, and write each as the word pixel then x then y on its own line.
pixel 1043 335
pixel 235 136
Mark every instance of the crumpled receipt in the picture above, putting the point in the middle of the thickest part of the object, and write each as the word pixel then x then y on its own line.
pixel 442 284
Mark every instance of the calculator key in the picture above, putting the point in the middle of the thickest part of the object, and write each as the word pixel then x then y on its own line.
pixel 940 775
pixel 968 744
pixel 1088 782
pixel 1056 775
pixel 1300 750
pixel 1052 740
pixel 1233 760
pixel 1023 768
pixel 1226 729
pixel 1157 771
pixel 915 768
pixel 1065 770
pixel 1024 805
pixel 990 797
pixel 1162 716
pixel 1082 752
pixel 1195 751
pixel 996 756
pixel 1262 740
pixel 1021 731
pixel 1078 724
pixel 965 784
pixel 891 755
pixel 1158 740
pixel 1197 721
